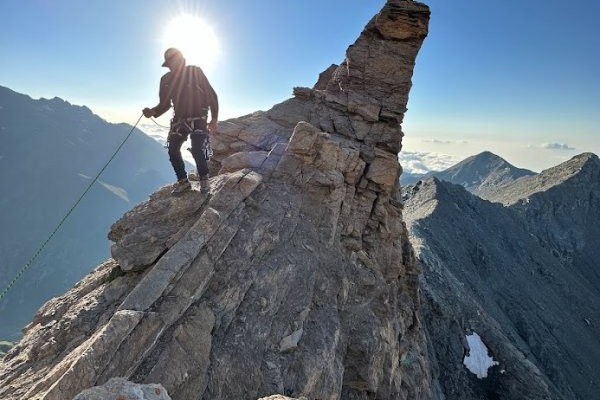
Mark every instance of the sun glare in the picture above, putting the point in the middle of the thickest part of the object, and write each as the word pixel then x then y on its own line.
pixel 195 38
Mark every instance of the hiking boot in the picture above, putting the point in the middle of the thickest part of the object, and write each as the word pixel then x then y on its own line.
pixel 181 186
pixel 204 184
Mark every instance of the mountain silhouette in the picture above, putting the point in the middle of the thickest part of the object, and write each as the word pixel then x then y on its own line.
pixel 51 150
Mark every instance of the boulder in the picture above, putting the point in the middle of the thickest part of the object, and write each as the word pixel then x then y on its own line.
pixel 121 389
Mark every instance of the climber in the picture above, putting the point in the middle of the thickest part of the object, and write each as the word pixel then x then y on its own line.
pixel 188 90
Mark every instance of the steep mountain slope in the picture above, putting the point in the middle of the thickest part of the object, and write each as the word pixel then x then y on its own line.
pixel 294 274
pixel 482 173
pixel 494 270
pixel 50 152
pixel 561 208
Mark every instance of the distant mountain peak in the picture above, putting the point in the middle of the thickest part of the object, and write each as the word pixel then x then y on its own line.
pixel 56 99
pixel 483 173
pixel 581 163
pixel 482 158
pixel 573 166
pixel 586 159
pixel 486 154
pixel 584 168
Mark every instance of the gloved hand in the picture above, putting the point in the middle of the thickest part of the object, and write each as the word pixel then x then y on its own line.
pixel 148 112
pixel 212 127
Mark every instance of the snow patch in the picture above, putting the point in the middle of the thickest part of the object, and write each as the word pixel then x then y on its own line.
pixel 478 361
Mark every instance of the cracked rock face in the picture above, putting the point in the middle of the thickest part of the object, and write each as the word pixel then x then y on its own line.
pixel 292 276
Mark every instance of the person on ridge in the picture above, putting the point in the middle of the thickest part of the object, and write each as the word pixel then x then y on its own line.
pixel 188 90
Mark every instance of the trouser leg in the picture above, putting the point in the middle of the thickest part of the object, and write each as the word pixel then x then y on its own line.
pixel 199 143
pixel 175 142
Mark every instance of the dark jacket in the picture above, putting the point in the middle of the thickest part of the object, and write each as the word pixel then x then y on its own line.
pixel 190 93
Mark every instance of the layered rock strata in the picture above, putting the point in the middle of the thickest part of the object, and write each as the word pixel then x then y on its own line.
pixel 294 275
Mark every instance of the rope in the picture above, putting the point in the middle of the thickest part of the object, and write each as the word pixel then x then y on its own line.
pixel 162 126
pixel 39 250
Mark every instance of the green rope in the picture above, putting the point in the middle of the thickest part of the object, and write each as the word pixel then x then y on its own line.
pixel 39 250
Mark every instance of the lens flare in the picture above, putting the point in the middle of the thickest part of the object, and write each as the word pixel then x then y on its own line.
pixel 195 38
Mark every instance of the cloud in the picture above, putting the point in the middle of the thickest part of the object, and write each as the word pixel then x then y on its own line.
pixel 419 163
pixel 155 132
pixel 152 129
pixel 160 133
pixel 557 146
pixel 439 141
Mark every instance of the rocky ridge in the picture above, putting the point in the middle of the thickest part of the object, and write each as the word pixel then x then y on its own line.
pixel 581 168
pixel 522 276
pixel 294 275
pixel 561 208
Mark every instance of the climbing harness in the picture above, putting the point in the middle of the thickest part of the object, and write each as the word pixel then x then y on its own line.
pixel 176 128
pixel 188 123
pixel 187 127
pixel 39 250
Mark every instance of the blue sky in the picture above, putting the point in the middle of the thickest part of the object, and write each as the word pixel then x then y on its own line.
pixel 515 77
pixel 518 78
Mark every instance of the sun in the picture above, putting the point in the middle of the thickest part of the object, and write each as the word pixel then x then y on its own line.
pixel 195 38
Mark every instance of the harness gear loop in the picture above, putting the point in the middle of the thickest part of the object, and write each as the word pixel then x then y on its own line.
pixel 187 126
pixel 205 146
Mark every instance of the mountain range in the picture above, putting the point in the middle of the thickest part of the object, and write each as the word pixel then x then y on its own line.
pixel 51 150
pixel 507 255
pixel 520 271
pixel 304 271
pixel 480 174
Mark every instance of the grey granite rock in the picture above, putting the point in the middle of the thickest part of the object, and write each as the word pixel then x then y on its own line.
pixel 121 389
